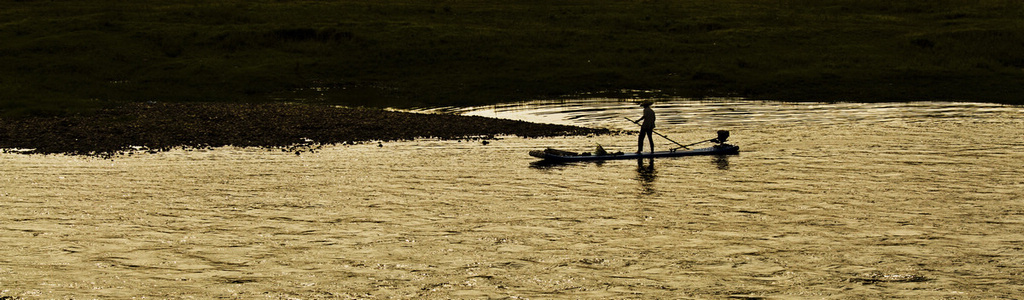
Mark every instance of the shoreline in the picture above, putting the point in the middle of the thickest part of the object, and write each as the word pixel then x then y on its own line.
pixel 163 126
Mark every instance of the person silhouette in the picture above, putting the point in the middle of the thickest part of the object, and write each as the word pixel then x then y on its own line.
pixel 647 127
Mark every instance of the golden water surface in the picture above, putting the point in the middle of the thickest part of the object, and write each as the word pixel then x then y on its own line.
pixel 922 200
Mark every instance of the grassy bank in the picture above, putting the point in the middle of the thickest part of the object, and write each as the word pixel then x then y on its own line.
pixel 61 55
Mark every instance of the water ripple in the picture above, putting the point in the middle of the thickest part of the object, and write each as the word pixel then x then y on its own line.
pixel 603 112
pixel 825 200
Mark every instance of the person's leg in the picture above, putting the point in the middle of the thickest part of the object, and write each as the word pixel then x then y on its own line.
pixel 640 142
pixel 650 139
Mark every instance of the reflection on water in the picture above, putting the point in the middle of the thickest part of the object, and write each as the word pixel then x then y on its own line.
pixel 646 175
pixel 722 161
pixel 920 200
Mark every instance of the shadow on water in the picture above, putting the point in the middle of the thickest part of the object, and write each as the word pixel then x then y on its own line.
pixel 646 174
pixel 722 161
pixel 549 165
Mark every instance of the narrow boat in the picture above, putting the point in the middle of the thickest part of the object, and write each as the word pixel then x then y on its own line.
pixel 553 155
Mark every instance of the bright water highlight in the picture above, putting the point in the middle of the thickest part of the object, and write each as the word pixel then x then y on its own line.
pixel 918 200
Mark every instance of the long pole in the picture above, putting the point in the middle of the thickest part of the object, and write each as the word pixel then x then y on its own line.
pixel 661 135
pixel 700 142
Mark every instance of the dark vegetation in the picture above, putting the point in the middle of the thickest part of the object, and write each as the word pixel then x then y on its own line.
pixel 291 127
pixel 60 56
pixel 67 64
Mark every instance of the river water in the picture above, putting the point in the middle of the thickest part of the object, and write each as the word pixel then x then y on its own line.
pixel 896 200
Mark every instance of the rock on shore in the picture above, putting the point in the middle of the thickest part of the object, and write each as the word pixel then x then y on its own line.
pixel 161 126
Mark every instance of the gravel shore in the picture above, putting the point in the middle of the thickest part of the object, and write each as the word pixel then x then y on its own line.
pixel 162 126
